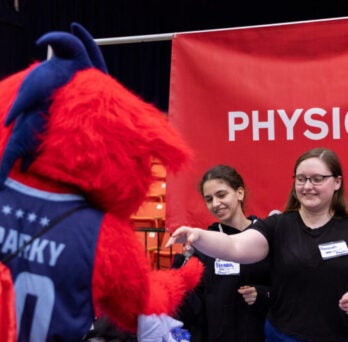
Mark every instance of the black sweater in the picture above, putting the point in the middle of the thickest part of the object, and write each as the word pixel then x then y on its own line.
pixel 215 311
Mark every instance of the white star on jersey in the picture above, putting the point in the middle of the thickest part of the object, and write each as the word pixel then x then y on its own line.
pixel 19 213
pixel 32 217
pixel 44 221
pixel 6 209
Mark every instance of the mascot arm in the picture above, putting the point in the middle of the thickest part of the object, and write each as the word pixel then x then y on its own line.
pixel 120 280
pixel 124 286
pixel 168 287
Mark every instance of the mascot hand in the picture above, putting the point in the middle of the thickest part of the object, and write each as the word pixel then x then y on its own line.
pixel 168 287
pixel 156 328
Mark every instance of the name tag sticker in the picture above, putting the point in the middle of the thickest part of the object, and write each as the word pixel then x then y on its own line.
pixel 333 249
pixel 223 267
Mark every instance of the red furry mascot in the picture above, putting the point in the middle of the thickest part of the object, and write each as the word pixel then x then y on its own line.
pixel 76 149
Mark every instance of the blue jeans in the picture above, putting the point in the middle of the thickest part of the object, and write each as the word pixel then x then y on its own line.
pixel 274 335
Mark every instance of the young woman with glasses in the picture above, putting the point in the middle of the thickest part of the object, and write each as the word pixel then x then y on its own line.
pixel 307 245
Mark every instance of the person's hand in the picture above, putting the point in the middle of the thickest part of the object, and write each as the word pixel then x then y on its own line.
pixel 185 235
pixel 343 303
pixel 249 294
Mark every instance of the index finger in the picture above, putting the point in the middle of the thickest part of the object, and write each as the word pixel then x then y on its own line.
pixel 170 242
pixel 246 290
pixel 179 236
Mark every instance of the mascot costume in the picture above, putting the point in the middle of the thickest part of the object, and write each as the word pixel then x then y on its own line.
pixel 76 150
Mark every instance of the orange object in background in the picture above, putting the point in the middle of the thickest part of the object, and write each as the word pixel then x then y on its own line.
pixel 157 191
pixel 159 171
pixel 150 214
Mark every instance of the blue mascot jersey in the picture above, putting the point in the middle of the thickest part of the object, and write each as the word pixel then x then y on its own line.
pixel 53 275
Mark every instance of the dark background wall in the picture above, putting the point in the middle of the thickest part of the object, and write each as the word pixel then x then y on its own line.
pixel 142 67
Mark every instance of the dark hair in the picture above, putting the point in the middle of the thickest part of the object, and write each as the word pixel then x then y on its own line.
pixel 338 203
pixel 227 174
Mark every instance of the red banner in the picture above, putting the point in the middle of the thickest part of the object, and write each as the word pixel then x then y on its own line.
pixel 255 99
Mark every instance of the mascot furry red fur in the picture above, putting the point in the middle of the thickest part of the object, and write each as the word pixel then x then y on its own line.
pixel 83 139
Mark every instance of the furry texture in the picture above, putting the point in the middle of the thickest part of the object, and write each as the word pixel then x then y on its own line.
pixel 107 144
pixel 99 142
pixel 34 97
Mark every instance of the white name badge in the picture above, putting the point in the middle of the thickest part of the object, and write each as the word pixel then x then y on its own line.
pixel 223 267
pixel 333 249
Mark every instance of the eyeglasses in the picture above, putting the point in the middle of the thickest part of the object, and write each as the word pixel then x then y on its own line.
pixel 315 179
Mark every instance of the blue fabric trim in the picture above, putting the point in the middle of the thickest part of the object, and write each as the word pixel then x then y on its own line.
pixel 50 196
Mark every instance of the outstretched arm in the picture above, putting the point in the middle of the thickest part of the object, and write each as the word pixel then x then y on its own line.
pixel 246 247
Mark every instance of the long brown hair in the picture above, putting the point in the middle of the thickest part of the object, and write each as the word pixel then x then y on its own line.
pixel 338 203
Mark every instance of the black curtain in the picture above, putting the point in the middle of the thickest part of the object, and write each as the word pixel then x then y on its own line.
pixel 142 67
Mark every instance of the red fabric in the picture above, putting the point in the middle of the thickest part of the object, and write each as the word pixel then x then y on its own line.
pixel 100 142
pixel 121 256
pixel 113 136
pixel 291 78
pixel 7 306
